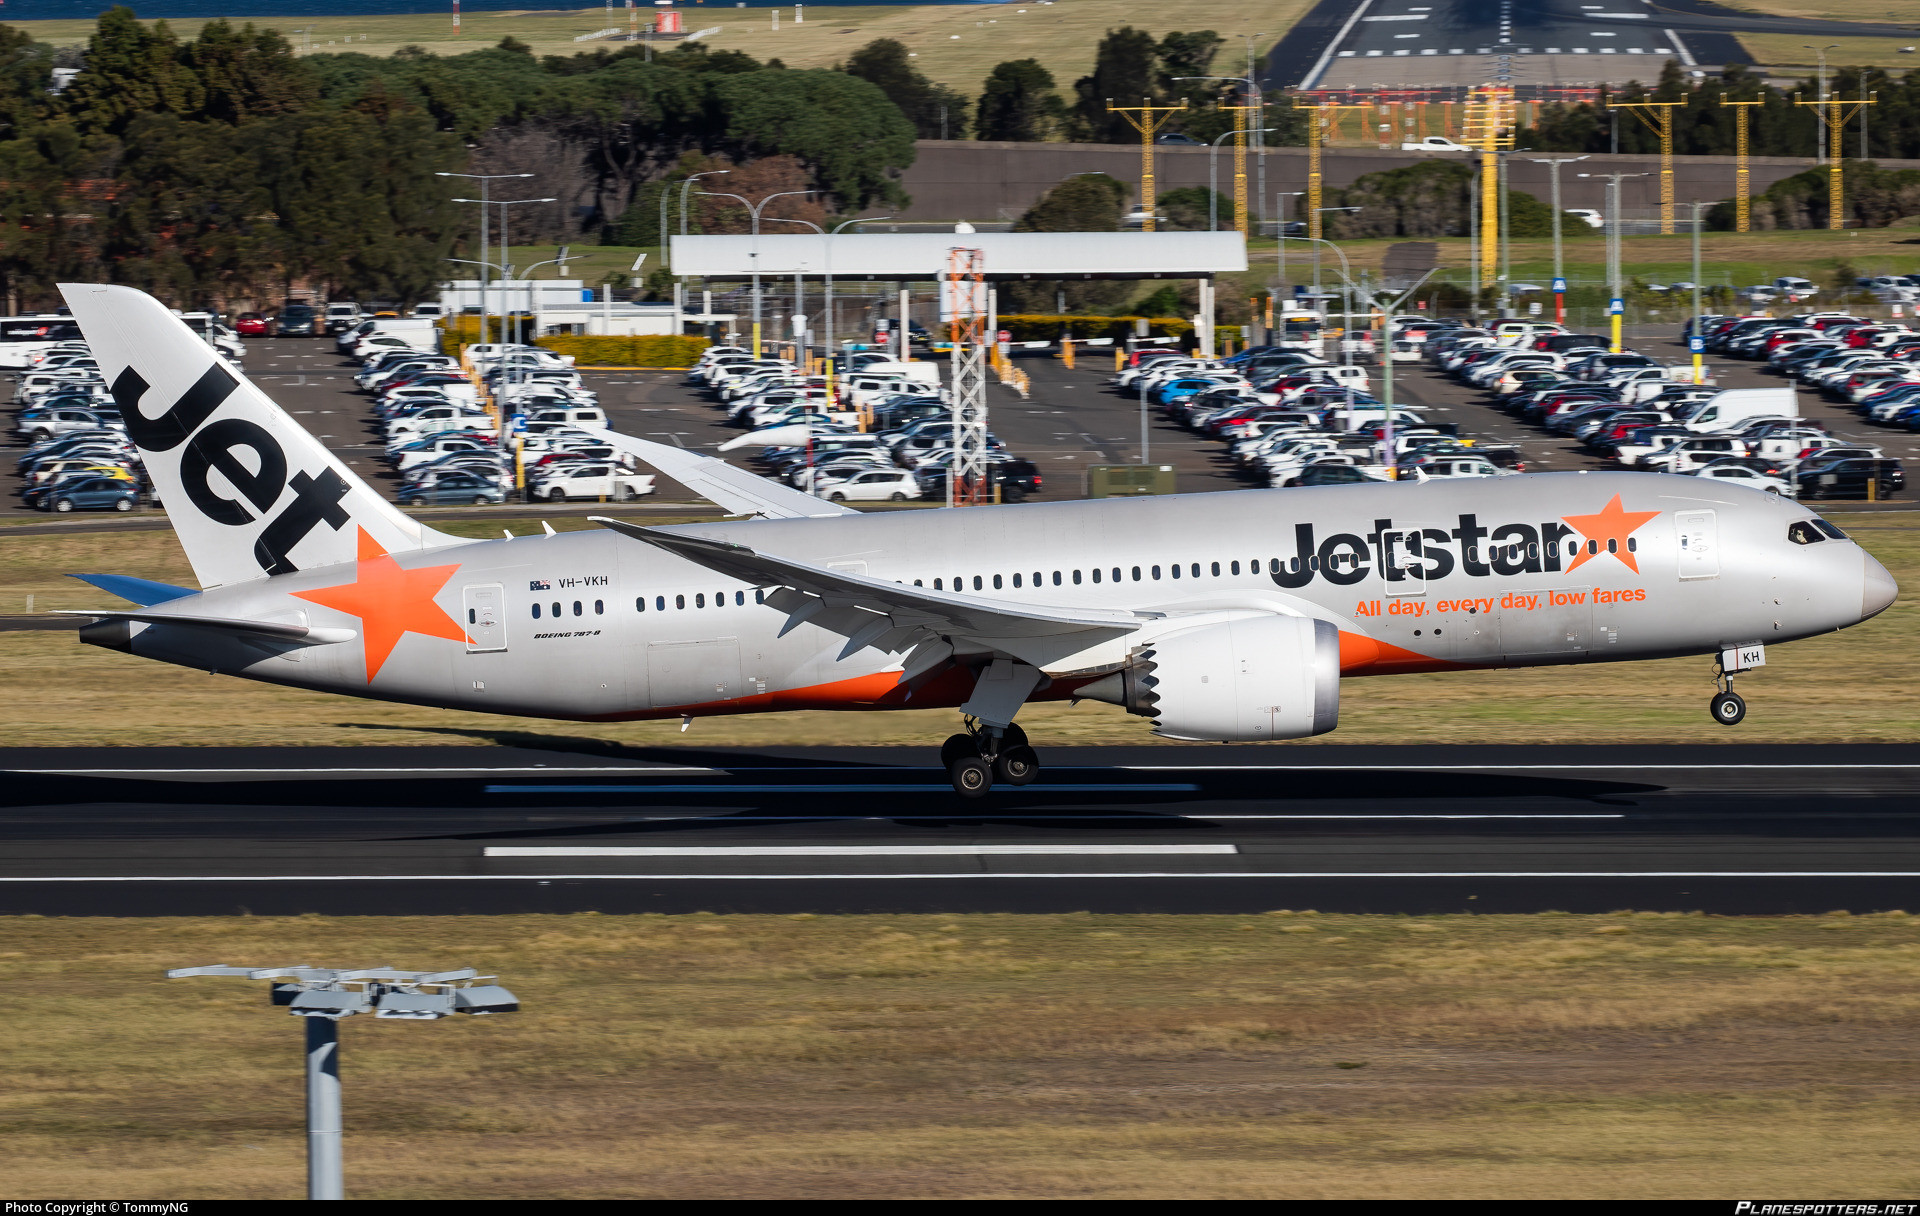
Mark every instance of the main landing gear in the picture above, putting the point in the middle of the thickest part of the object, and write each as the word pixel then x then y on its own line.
pixel 983 755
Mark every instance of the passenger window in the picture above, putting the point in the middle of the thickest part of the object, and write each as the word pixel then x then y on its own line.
pixel 1235 568
pixel 1196 570
pixel 996 582
pixel 556 609
pixel 976 583
pixel 759 597
pixel 1096 574
pixel 576 608
pixel 640 605
pixel 1076 578
pixel 1016 578
pixel 1216 569
pixel 536 607
pixel 679 601
pixel 1175 569
pixel 937 586
pixel 1116 573
pixel 599 608
pixel 1136 574
pixel 1056 578
pixel 1803 533
pixel 1037 580
pixel 739 599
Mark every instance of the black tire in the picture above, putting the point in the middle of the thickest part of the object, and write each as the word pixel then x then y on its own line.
pixel 41 436
pixel 897 497
pixel 1727 708
pixel 955 748
pixel 123 504
pixel 556 495
pixel 1013 736
pixel 481 500
pixel 972 777
pixel 1017 765
pixel 836 496
pixel 419 502
pixel 63 505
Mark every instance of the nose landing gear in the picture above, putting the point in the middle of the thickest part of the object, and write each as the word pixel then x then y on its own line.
pixel 983 755
pixel 1726 707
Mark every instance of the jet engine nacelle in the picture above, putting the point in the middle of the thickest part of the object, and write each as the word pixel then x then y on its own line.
pixel 1269 677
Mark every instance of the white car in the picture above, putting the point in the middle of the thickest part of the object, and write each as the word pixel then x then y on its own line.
pixel 873 485
pixel 433 420
pixel 598 481
pixel 1741 475
pixel 431 450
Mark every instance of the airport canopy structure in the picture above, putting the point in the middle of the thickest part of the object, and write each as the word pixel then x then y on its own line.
pixel 899 256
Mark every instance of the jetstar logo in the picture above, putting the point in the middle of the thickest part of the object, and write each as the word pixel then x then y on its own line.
pixel 245 454
pixel 1409 552
pixel 390 601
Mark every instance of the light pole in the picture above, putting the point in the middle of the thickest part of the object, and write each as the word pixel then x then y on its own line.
pixel 1559 271
pixel 1821 127
pixel 1694 343
pixel 831 349
pixel 1386 362
pixel 1280 234
pixel 753 209
pixel 485 180
pixel 1248 102
pixel 1616 301
pixel 1317 301
pixel 1258 98
pixel 321 996
pixel 799 306
pixel 506 267
pixel 1213 166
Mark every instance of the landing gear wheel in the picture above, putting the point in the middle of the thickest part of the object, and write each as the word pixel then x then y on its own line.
pixel 956 748
pixel 1017 765
pixel 1013 736
pixel 1727 708
pixel 972 777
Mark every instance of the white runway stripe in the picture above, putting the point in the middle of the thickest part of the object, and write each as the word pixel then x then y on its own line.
pixel 1209 874
pixel 863 850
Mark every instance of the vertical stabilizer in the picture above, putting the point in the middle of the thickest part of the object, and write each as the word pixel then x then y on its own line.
pixel 249 491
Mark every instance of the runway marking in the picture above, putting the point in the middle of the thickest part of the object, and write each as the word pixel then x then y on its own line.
pixel 530 769
pixel 861 850
pixel 1282 874
pixel 848 788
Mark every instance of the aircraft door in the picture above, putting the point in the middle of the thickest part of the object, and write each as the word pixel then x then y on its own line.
pixel 1405 569
pixel 1699 538
pixel 486 620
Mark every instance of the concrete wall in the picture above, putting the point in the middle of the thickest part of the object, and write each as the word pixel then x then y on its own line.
pixel 982 181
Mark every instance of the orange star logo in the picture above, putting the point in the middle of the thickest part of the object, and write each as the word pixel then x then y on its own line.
pixel 390 601
pixel 1608 532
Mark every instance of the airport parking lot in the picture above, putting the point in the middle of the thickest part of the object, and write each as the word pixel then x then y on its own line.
pixel 1071 421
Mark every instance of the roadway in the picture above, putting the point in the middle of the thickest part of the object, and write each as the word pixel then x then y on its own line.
pixel 1404 43
pixel 555 824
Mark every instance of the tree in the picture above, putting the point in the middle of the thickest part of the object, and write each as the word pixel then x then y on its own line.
pixel 1018 103
pixel 1086 202
pixel 131 70
pixel 935 111
pixel 247 73
pixel 839 126
pixel 1187 55
pixel 1187 209
pixel 1125 70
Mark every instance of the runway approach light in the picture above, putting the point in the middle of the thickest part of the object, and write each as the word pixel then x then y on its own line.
pixel 321 996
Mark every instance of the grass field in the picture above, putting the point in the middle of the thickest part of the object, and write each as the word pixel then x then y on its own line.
pixel 63 693
pixel 1788 52
pixel 1619 1057
pixel 955 45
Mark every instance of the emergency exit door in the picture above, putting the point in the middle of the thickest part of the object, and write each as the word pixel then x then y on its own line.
pixel 486 620
pixel 1699 541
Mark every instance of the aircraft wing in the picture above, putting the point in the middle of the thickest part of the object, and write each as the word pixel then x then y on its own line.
pixel 895 616
pixel 740 492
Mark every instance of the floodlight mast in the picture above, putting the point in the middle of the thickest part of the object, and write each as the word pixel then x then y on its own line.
pixel 322 996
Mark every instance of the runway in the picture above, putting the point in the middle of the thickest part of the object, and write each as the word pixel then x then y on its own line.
pixel 581 826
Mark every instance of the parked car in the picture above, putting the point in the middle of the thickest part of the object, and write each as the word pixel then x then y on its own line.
pixel 1850 478
pixel 91 493
pixel 456 486
pixel 299 320
pixel 597 480
pixel 874 485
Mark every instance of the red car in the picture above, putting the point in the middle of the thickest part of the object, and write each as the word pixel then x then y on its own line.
pixel 253 325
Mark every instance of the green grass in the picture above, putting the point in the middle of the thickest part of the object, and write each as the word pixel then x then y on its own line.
pixel 1154 1057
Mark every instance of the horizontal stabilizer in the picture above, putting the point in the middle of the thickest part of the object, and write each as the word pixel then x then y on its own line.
pixel 141 591
pixel 284 631
pixel 740 492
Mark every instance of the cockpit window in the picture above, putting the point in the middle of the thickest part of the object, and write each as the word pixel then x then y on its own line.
pixel 1802 532
pixel 1829 529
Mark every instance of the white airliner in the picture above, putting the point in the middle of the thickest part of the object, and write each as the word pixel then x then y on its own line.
pixel 1227 616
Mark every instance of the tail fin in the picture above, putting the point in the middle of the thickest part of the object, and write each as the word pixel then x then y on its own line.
pixel 248 490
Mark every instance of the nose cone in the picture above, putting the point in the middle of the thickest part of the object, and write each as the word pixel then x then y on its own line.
pixel 1877 589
